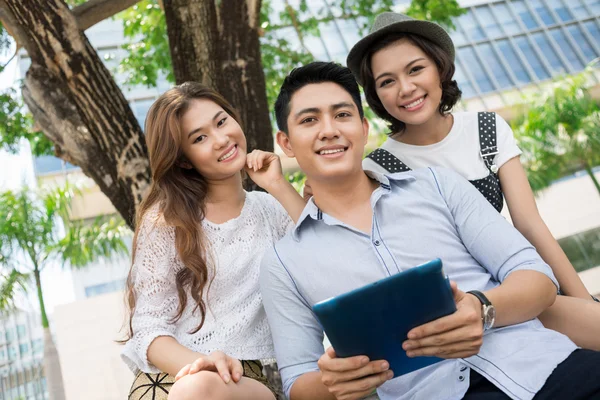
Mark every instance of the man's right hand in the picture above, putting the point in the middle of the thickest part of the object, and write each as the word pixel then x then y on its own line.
pixel 353 377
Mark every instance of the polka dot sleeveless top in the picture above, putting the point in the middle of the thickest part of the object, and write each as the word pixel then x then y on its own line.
pixel 489 186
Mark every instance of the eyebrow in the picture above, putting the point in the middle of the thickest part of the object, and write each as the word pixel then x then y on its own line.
pixel 407 66
pixel 317 110
pixel 200 128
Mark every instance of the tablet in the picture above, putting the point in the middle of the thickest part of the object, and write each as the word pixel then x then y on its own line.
pixel 374 320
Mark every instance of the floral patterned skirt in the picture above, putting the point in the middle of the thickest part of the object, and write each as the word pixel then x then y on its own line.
pixel 156 386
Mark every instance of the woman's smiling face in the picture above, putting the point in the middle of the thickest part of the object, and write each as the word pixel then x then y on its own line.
pixel 407 82
pixel 212 140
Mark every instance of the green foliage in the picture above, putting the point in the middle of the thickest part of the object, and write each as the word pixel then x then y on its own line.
pixel 440 11
pixel 36 226
pixel 559 132
pixel 16 125
pixel 10 283
pixel 148 56
pixel 297 179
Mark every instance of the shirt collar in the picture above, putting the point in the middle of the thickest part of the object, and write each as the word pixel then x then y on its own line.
pixel 312 210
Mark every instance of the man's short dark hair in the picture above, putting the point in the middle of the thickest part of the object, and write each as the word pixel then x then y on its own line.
pixel 315 72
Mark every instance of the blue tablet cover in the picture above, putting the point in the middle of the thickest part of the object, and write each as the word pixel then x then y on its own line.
pixel 374 320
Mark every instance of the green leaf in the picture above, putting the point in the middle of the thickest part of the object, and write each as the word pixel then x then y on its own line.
pixel 15 125
pixel 558 130
pixel 148 54
pixel 10 283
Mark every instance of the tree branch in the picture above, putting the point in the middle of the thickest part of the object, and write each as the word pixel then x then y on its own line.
pixel 93 11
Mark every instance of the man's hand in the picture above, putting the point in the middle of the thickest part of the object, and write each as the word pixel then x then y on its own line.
pixel 227 367
pixel 458 335
pixel 264 169
pixel 353 377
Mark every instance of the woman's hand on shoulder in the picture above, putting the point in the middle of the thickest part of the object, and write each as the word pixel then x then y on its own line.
pixel 227 367
pixel 264 168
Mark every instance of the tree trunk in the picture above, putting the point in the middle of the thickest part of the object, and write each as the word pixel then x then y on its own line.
pixel 52 370
pixel 77 104
pixel 217 43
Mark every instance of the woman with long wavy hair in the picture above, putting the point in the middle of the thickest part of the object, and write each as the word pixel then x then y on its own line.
pixel 193 294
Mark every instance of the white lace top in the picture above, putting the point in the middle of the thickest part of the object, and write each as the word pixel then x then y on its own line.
pixel 235 320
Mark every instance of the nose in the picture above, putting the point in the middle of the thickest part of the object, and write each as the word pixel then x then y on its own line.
pixel 221 139
pixel 406 87
pixel 328 129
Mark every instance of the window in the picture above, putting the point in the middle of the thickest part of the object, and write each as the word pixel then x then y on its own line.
pixel 542 12
pixel 490 26
pixel 593 5
pixel 532 57
pixel 50 164
pixel 463 82
pixel 593 30
pixel 582 42
pixel 583 249
pixel 513 61
pixel 471 27
pixel 458 36
pixel 140 109
pixel 548 51
pixel 21 331
pixel 559 8
pixel 506 19
pixel 10 335
pixel 12 353
pixel 565 46
pixel 577 8
pixel 493 62
pixel 24 348
pixel 525 15
pixel 103 288
pixel 470 60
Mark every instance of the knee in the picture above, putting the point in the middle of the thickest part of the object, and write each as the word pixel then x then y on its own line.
pixel 203 385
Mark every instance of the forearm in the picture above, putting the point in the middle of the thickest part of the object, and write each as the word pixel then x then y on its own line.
pixel 166 354
pixel 549 249
pixel 310 387
pixel 522 296
pixel 287 196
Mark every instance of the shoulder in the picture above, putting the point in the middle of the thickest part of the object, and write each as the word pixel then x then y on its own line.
pixel 153 224
pixel 265 202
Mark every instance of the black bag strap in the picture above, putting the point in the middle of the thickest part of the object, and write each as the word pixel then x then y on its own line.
pixel 387 161
pixel 487 139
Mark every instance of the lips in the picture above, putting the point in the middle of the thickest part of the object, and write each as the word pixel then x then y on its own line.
pixel 414 103
pixel 331 150
pixel 228 153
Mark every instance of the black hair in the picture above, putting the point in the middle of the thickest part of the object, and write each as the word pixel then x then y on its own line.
pixel 443 61
pixel 315 72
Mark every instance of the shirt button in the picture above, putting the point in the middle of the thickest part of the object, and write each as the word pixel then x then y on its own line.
pixel 461 378
pixel 377 243
pixel 462 369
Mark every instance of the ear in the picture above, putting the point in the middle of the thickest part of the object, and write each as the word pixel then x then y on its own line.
pixel 365 124
pixel 283 141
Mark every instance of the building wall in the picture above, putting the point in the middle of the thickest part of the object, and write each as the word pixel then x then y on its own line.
pixel 21 351
pixel 86 331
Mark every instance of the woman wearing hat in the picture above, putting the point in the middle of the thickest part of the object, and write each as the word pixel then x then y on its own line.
pixel 406 68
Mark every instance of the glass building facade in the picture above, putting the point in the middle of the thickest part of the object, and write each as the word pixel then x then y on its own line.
pixel 501 45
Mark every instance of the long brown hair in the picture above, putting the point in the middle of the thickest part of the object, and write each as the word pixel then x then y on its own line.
pixel 179 192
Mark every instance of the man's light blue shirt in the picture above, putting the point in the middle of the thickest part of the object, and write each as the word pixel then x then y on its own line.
pixel 417 216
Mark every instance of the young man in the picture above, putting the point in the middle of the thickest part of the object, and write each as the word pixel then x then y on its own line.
pixel 359 228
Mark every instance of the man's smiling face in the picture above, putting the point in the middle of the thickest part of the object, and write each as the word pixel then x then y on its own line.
pixel 326 133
